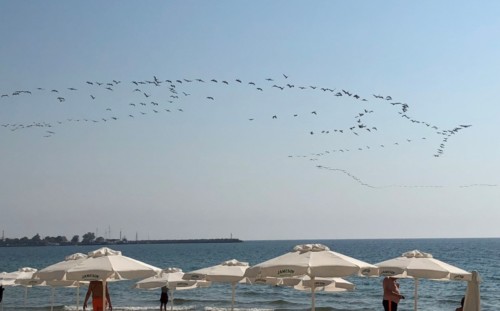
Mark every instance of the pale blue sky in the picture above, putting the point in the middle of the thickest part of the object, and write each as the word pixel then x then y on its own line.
pixel 209 171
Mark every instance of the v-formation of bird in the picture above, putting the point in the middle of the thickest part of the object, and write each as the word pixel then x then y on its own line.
pixel 148 103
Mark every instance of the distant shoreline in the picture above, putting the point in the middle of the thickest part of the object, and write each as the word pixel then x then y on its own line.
pixel 221 240
pixel 121 242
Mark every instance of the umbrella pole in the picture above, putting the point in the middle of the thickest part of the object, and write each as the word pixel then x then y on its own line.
pixel 78 296
pixel 233 285
pixel 416 294
pixel 52 299
pixel 25 295
pixel 104 300
pixel 172 304
pixel 313 296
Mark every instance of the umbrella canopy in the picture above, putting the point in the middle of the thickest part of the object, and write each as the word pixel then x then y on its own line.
pixel 324 284
pixel 416 264
pixel 8 278
pixel 55 275
pixel 171 278
pixel 314 260
pixel 106 264
pixel 58 270
pixel 23 276
pixel 472 298
pixel 230 271
pixel 305 283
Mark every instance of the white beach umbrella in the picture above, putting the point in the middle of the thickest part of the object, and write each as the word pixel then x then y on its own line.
pixel 169 277
pixel 230 271
pixel 314 260
pixel 20 277
pixel 304 283
pixel 472 298
pixel 106 265
pixel 55 275
pixel 62 283
pixel 23 276
pixel 8 278
pixel 58 270
pixel 416 264
pixel 273 281
pixel 33 281
pixel 324 284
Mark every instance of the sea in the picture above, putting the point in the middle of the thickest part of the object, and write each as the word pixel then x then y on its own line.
pixel 480 254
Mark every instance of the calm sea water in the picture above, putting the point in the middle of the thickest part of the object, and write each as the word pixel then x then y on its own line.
pixel 469 254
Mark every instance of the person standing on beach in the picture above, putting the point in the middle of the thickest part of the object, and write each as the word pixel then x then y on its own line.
pixel 461 305
pixel 164 298
pixel 95 288
pixel 1 292
pixel 392 295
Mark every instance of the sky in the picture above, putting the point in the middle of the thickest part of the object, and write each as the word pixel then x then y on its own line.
pixel 259 120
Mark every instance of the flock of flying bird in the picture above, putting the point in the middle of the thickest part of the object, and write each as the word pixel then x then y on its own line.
pixel 147 100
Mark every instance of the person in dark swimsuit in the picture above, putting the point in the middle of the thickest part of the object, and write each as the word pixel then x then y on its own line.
pixel 164 298
pixel 461 305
